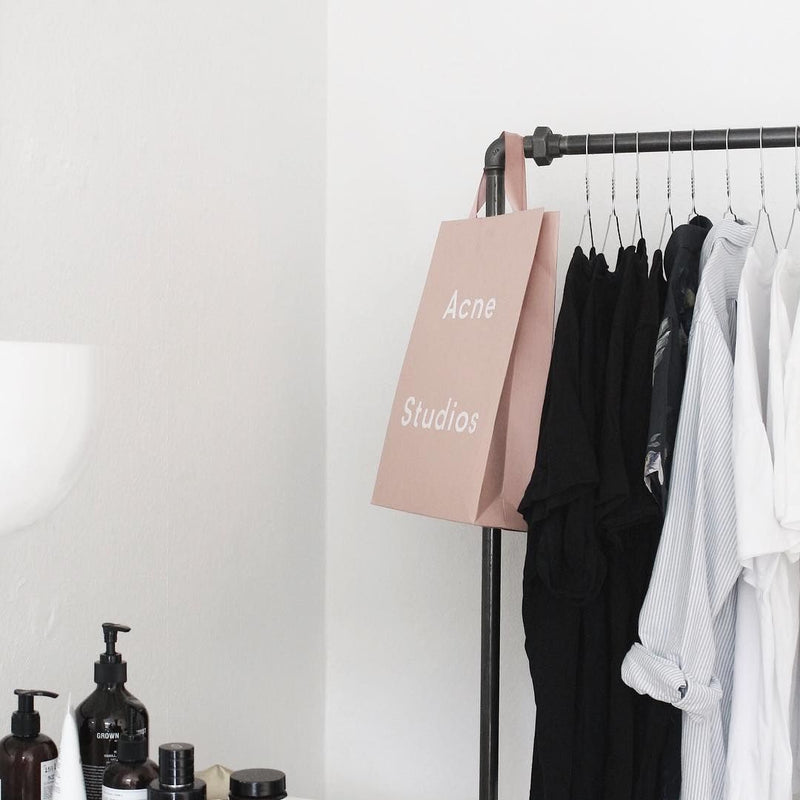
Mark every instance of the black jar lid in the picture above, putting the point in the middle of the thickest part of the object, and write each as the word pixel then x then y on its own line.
pixel 264 784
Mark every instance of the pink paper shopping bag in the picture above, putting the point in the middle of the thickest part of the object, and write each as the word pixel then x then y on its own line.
pixel 462 434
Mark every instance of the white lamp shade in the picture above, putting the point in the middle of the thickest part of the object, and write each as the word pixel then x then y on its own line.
pixel 47 406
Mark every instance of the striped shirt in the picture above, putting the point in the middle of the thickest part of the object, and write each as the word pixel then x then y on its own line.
pixel 688 619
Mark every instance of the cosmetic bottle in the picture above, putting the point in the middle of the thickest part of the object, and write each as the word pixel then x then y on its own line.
pixel 103 716
pixel 69 775
pixel 257 784
pixel 27 757
pixel 176 779
pixel 133 771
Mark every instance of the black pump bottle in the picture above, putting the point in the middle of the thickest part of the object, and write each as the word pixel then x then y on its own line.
pixel 129 778
pixel 103 716
pixel 27 757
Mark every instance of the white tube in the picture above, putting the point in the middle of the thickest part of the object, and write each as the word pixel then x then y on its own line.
pixel 69 773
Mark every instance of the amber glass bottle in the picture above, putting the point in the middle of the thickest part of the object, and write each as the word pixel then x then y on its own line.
pixel 27 757
pixel 133 772
pixel 102 716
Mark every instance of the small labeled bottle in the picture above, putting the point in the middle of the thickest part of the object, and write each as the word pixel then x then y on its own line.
pixel 133 772
pixel 176 779
pixel 103 715
pixel 27 757
pixel 263 784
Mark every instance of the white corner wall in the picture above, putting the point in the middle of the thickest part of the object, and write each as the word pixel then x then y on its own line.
pixel 162 195
pixel 417 90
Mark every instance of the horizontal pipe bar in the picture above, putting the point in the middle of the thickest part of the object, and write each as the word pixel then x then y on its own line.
pixel 544 145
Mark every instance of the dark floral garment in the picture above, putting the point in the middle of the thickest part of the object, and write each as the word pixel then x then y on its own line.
pixel 682 268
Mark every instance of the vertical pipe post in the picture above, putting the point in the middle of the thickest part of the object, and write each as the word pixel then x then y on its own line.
pixel 490 663
pixel 490 592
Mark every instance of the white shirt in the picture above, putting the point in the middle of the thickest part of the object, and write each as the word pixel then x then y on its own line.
pixel 760 759
pixel 688 618
pixel 782 419
pixel 791 392
pixel 783 381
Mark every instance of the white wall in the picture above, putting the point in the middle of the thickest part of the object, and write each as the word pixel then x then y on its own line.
pixel 417 90
pixel 161 194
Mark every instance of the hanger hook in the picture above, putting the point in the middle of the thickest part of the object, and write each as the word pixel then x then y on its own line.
pixel 796 169
pixel 693 212
pixel 613 213
pixel 763 209
pixel 638 219
pixel 588 213
pixel 796 186
pixel 729 210
pixel 668 212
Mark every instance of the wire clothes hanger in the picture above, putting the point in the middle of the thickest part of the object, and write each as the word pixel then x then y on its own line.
pixel 693 212
pixel 729 212
pixel 796 188
pixel 763 209
pixel 668 212
pixel 588 213
pixel 638 218
pixel 613 213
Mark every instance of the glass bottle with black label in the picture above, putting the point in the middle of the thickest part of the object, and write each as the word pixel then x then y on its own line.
pixel 27 757
pixel 103 715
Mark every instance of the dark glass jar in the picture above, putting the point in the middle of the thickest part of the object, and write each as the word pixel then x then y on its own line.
pixel 257 784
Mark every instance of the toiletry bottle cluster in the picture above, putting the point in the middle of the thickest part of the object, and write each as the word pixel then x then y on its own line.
pixel 112 730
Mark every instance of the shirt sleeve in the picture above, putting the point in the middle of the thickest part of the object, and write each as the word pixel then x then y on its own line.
pixel 696 566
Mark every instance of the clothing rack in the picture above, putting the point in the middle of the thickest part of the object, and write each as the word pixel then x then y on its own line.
pixel 543 146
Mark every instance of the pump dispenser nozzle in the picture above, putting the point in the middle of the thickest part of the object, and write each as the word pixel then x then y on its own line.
pixel 111 668
pixel 25 721
pixel 132 746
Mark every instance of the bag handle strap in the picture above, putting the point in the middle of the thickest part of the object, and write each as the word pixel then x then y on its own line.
pixel 516 187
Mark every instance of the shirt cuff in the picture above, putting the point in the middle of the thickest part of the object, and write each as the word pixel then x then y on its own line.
pixel 662 679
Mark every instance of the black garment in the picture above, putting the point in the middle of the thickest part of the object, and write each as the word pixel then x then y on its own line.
pixel 591 711
pixel 560 471
pixel 640 765
pixel 567 652
pixel 629 559
pixel 558 503
pixel 682 265
pixel 614 480
pixel 595 333
pixel 659 753
pixel 633 407
pixel 562 615
pixel 587 566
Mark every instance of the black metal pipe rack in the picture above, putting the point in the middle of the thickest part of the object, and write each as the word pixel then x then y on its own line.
pixel 543 146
